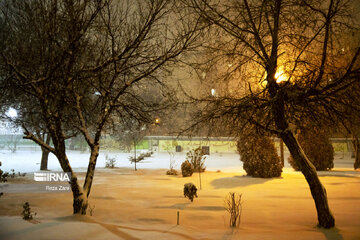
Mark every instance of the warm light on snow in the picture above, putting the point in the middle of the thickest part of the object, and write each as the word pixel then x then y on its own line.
pixel 147 201
pixel 11 113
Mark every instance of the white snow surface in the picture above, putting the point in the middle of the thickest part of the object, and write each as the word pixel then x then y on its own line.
pixel 29 161
pixel 144 204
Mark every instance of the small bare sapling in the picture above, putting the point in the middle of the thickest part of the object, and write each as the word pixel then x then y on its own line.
pixel 233 205
pixel 171 171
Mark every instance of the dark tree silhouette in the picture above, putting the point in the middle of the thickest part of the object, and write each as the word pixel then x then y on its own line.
pixel 82 61
pixel 280 62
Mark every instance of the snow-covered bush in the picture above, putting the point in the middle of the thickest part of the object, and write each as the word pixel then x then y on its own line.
pixel 171 172
pixel 317 147
pixel 258 153
pixel 26 213
pixel 5 175
pixel 148 154
pixel 110 162
pixel 190 191
pixel 197 159
pixel 187 169
pixel 138 159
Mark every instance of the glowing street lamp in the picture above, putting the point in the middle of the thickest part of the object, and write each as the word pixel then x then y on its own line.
pixel 280 76
pixel 11 112
pixel 157 121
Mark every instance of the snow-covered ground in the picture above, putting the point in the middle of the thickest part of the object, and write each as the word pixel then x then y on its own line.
pixel 29 161
pixel 143 204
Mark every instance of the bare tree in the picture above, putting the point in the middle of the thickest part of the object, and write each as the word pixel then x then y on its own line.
pixel 280 62
pixel 130 134
pixel 83 61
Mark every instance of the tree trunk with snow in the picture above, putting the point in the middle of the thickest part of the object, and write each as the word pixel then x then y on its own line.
pixel 91 168
pixel 282 158
pixel 45 154
pixel 80 200
pixel 318 191
pixel 356 146
pixel 81 194
pixel 44 159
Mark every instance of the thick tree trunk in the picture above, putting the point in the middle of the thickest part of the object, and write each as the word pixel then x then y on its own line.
pixel 356 146
pixel 44 159
pixel 80 200
pixel 81 195
pixel 350 148
pixel 318 192
pixel 45 154
pixel 91 169
pixel 282 152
